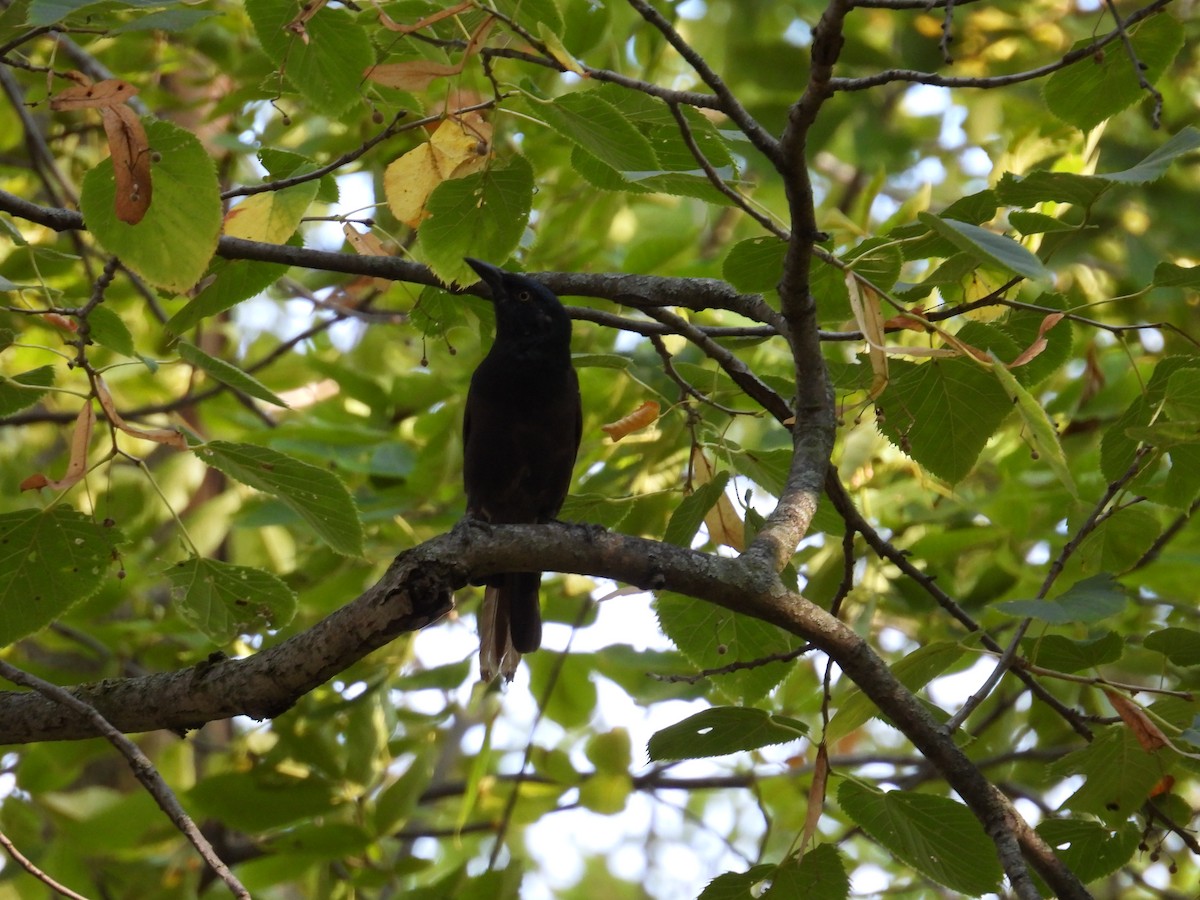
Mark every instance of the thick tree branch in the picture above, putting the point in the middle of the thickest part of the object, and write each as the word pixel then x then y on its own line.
pixel 638 291
pixel 416 590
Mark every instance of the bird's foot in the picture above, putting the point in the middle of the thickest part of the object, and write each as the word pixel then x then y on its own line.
pixel 471 522
pixel 591 531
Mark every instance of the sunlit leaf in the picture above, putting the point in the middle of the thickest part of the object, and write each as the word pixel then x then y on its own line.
pixel 935 835
pixel 224 600
pixel 49 561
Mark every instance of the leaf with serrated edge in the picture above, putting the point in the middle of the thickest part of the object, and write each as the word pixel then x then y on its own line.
pixel 314 494
pixel 49 561
pixel 224 600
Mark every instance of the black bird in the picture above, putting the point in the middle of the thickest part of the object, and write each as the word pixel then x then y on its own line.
pixel 521 432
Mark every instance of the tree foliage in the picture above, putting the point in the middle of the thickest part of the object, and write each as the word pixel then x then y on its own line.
pixel 900 298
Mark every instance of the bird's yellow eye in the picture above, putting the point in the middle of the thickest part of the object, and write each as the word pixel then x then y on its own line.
pixel 524 296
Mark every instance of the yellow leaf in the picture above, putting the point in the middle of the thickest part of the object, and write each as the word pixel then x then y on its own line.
pixel 271 217
pixel 723 523
pixel 560 53
pixel 641 417
pixel 458 148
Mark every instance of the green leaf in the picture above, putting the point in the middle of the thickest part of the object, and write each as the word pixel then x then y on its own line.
pixel 600 361
pixel 328 68
pixel 234 280
pixel 989 247
pixel 1171 275
pixel 1053 651
pixel 49 561
pixel 533 12
pixel 1091 600
pixel 936 836
pixel 1120 775
pixel 1039 430
pixel 1155 165
pixel 1182 399
pixel 482 215
pixel 316 495
pixel 256 801
pixel 737 885
pixel 914 671
pixel 1043 186
pixel 723 730
pixel 1119 541
pixel 712 637
pixel 1024 327
pixel 48 12
pixel 23 390
pixel 227 373
pixel 1102 84
pixel 171 247
pixel 755 265
pixel 396 802
pixel 689 515
pixel 1180 645
pixel 170 20
pixel 225 600
pixel 596 125
pixel 1118 446
pixel 819 875
pixel 942 413
pixel 1038 223
pixel 108 329
pixel 1088 848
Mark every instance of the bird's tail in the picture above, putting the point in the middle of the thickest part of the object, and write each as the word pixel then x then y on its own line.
pixel 510 623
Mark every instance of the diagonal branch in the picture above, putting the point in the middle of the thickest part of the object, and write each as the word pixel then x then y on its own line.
pixel 142 768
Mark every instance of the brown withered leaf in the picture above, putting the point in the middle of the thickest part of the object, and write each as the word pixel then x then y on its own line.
pixel 641 417
pixel 77 464
pixel 365 244
pixel 724 525
pixel 130 150
pixel 816 798
pixel 412 75
pixel 416 74
pixel 1148 734
pixel 392 25
pixel 168 436
pixel 102 94
pixel 1039 343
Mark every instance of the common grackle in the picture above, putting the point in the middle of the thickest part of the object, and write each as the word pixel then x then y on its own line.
pixel 521 431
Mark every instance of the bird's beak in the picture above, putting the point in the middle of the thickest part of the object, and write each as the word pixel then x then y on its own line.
pixel 491 275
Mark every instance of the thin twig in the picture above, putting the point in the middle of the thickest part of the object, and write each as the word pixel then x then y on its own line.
pixel 1100 512
pixel 995 81
pixel 714 177
pixel 738 665
pixel 27 864
pixel 885 550
pixel 763 140
pixel 1138 66
pixel 688 389
pixel 142 768
pixel 543 704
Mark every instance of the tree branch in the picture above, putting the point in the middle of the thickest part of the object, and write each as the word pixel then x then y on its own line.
pixel 416 590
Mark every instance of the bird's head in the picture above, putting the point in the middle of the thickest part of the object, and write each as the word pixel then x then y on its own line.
pixel 526 310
